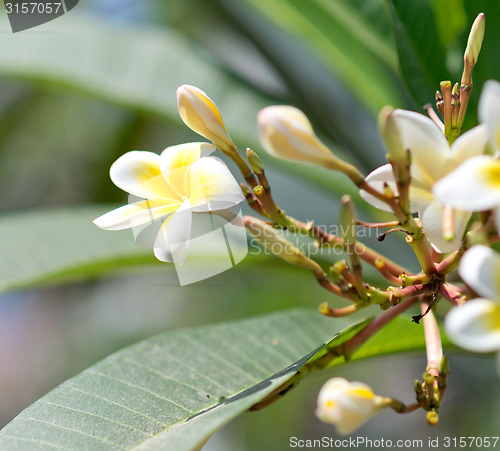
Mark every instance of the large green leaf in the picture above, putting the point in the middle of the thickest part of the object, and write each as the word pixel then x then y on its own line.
pixel 421 53
pixel 348 43
pixel 315 85
pixel 173 391
pixel 136 67
pixel 62 244
pixel 140 68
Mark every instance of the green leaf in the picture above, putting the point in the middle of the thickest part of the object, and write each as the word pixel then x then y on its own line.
pixel 140 68
pixel 135 67
pixel 314 85
pixel 173 391
pixel 450 20
pixel 421 54
pixel 342 38
pixel 62 244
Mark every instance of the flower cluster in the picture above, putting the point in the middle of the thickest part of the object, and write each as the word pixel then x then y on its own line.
pixel 435 182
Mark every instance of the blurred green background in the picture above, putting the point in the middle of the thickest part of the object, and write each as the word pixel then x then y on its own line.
pixel 78 92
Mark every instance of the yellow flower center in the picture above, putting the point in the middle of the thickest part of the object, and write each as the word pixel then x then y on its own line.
pixel 494 320
pixel 363 392
pixel 492 174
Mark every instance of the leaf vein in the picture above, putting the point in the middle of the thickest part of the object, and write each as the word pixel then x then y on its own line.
pixel 119 405
pixel 98 416
pixel 143 389
pixel 77 431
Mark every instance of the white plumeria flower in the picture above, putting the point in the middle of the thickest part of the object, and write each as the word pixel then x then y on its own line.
pixel 347 405
pixel 181 181
pixel 432 158
pixel 475 185
pixel 475 325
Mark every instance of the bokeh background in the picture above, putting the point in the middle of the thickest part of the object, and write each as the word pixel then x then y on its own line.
pixel 78 92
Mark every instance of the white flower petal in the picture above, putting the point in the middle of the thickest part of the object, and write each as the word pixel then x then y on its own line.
pixel 475 325
pixel 134 215
pixel 428 146
pixel 377 178
pixel 175 157
pixel 212 186
pixel 489 111
pixel 432 221
pixel 420 197
pixel 139 173
pixel 173 238
pixel 480 269
pixel 470 144
pixel 473 186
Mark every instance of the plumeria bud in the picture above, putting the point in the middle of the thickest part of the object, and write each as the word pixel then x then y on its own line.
pixel 390 133
pixel 278 245
pixel 347 405
pixel 286 133
pixel 255 162
pixel 475 40
pixel 201 115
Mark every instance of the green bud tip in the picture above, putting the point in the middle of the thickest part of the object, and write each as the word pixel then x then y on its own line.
pixel 347 220
pixel 444 367
pixel 428 378
pixel 245 190
pixel 255 162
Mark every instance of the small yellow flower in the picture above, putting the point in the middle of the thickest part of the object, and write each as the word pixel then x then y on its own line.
pixel 200 114
pixel 182 181
pixel 347 405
